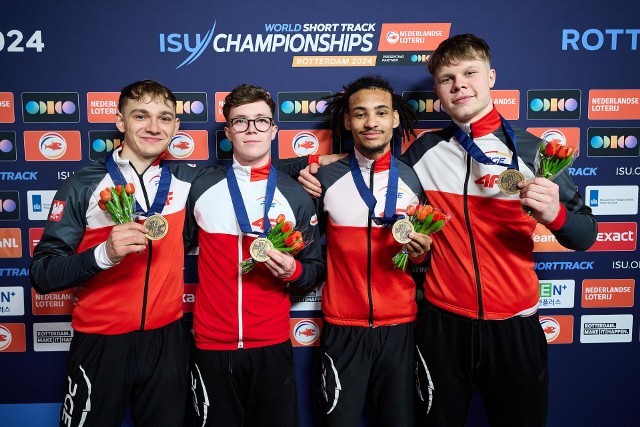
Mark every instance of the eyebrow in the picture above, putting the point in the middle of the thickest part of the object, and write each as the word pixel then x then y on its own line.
pixel 467 68
pixel 142 110
pixel 377 107
pixel 258 116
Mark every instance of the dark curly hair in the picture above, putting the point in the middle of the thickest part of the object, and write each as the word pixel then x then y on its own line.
pixel 338 104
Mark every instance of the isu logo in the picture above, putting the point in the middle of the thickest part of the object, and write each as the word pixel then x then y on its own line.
pixel 56 210
pixel 306 332
pixel 52 145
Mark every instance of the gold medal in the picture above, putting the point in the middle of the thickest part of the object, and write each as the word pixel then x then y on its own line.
pixel 508 181
pixel 401 229
pixel 259 248
pixel 157 226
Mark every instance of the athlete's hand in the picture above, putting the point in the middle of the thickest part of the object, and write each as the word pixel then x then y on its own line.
pixel 281 264
pixel 542 196
pixel 125 239
pixel 419 245
pixel 309 182
pixel 307 179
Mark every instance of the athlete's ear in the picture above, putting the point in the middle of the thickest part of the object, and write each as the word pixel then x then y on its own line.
pixel 120 122
pixel 347 121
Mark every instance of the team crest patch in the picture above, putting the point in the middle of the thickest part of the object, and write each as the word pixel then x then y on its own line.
pixel 57 208
pixel 314 220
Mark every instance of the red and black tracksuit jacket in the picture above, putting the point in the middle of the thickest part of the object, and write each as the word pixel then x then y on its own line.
pixel 142 292
pixel 235 310
pixel 482 260
pixel 363 287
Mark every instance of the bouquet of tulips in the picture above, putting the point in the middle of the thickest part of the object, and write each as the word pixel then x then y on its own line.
pixel 284 237
pixel 425 220
pixel 551 159
pixel 119 202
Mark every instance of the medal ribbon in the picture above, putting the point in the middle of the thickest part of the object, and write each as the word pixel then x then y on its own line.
pixel 478 155
pixel 238 203
pixel 163 186
pixel 367 196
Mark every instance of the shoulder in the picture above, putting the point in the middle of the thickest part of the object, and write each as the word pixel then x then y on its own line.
pixel 409 177
pixel 526 144
pixel 205 179
pixel 426 142
pixel 291 188
pixel 327 175
pixel 186 171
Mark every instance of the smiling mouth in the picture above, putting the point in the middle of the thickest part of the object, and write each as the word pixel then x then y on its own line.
pixel 152 139
pixel 371 134
pixel 461 99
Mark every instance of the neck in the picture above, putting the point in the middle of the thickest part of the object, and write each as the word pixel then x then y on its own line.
pixel 374 154
pixel 139 164
pixel 256 163
pixel 258 173
pixel 381 162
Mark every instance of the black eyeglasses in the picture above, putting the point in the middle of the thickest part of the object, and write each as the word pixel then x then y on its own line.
pixel 241 124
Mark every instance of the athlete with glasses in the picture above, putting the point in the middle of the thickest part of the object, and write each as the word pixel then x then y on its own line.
pixel 242 370
pixel 241 124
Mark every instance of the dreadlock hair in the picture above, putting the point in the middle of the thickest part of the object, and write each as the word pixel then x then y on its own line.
pixel 338 104
pixel 145 88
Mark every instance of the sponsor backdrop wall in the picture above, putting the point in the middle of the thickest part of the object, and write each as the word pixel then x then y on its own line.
pixel 565 70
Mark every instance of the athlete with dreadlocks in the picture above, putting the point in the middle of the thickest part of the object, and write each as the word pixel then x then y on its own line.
pixel 369 305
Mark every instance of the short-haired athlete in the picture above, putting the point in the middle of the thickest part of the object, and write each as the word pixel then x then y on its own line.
pixel 129 345
pixel 242 370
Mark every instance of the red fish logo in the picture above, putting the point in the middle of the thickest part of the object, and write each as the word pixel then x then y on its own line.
pixel 305 143
pixel 181 145
pixel 52 145
pixel 306 332
pixel 550 327
pixel 5 338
